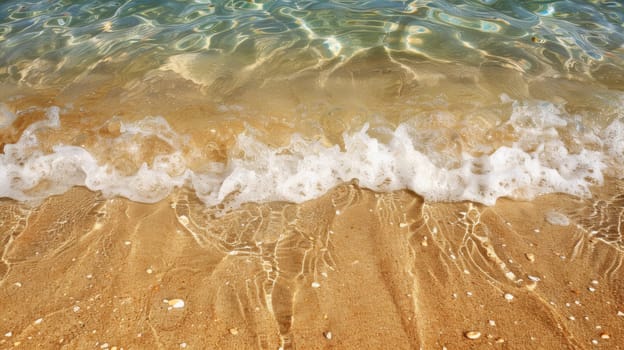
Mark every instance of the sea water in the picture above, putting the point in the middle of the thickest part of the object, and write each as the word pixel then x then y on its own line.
pixel 258 101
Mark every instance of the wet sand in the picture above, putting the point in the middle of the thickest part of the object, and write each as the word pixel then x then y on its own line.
pixel 352 269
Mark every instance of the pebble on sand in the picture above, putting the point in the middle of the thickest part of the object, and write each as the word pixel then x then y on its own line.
pixel 473 335
pixel 605 336
pixel 509 296
pixel 530 257
pixel 327 335
pixel 8 334
pixel 38 321
pixel 315 285
pixel 233 331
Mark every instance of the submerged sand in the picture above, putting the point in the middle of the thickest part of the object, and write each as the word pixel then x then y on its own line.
pixel 352 269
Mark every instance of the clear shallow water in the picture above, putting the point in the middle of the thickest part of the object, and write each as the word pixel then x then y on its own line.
pixel 54 42
pixel 283 100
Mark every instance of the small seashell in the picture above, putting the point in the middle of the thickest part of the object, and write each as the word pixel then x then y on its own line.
pixel 473 335
pixel 327 335
pixel 530 257
pixel 176 303
pixel 233 331
pixel 509 296
pixel 183 219
pixel 315 284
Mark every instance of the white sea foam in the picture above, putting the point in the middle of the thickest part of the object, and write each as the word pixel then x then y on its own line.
pixel 537 162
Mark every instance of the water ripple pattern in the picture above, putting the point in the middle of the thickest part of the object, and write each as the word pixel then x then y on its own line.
pixel 53 42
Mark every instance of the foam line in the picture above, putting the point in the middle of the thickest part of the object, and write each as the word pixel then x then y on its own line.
pixel 538 162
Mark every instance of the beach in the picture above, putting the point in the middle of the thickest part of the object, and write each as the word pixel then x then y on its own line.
pixel 311 175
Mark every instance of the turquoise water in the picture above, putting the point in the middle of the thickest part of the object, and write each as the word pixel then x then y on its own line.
pixel 53 42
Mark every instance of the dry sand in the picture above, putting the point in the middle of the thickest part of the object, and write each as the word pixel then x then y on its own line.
pixel 353 269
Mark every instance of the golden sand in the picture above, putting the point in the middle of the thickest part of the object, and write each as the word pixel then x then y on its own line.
pixel 352 269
